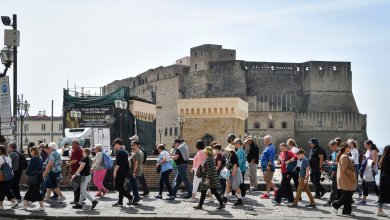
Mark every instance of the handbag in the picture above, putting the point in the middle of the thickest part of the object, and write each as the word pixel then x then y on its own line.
pixel 32 180
pixel 158 169
pixel 225 173
pixel 76 181
pixel 199 172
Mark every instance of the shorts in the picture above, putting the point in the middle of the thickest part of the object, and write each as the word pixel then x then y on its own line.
pixel 268 176
pixel 51 180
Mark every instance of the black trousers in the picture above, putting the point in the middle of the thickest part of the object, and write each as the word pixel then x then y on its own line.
pixel 76 194
pixel 295 177
pixel 315 177
pixel 345 200
pixel 142 181
pixel 164 180
pixel 242 185
pixel 119 181
pixel 214 191
pixel 5 191
pixel 15 184
pixel 285 190
pixel 335 194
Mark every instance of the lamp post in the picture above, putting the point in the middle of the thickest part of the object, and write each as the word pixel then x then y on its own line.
pixel 181 120
pixel 22 110
pixel 13 40
pixel 7 57
pixel 121 106
pixel 160 128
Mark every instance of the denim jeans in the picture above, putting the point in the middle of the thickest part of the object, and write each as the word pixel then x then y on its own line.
pixel 83 190
pixel 181 176
pixel 132 185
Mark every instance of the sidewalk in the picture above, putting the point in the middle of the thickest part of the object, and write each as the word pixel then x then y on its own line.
pixel 151 208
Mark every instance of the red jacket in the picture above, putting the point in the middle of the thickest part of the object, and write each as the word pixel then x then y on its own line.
pixel 283 159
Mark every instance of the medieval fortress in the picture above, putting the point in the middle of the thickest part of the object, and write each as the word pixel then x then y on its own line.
pixel 285 100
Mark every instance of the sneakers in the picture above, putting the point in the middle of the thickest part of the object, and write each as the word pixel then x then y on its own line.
pixel 158 197
pixel 311 205
pixel 14 204
pixel 293 205
pixel 170 198
pixel 198 207
pixel 224 199
pixel 238 202
pixel 41 209
pixel 105 192
pixel 191 200
pixel 99 194
pixel 381 213
pixel 264 196
pixel 94 203
pixel 77 206
pixel 131 201
pixel 362 202
pixel 117 204
pixel 221 206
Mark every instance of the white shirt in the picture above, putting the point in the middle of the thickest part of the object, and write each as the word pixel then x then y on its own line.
pixel 295 151
pixel 7 160
pixel 355 155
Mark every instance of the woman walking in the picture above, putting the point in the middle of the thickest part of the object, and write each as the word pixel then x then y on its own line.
pixel 34 171
pixel 384 193
pixel 98 171
pixel 355 160
pixel 85 172
pixel 199 158
pixel 235 179
pixel 346 180
pixel 164 161
pixel 209 178
pixel 370 162
pixel 241 162
pixel 5 188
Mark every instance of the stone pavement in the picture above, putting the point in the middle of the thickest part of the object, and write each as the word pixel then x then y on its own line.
pixel 151 208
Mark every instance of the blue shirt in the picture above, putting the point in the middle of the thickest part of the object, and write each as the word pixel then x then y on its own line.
pixel 56 158
pixel 268 155
pixel 241 159
pixel 304 165
pixel 334 166
pixel 167 165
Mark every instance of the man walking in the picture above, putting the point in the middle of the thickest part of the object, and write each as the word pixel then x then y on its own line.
pixel 253 160
pixel 316 159
pixel 268 166
pixel 142 179
pixel 74 164
pixel 136 169
pixel 15 159
pixel 120 172
pixel 181 158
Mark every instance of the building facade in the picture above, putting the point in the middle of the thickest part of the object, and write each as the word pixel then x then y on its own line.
pixel 285 100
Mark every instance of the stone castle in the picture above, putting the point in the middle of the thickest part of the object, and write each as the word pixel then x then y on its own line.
pixel 285 100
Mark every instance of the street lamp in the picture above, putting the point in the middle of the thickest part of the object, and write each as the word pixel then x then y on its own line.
pixel 160 129
pixel 121 106
pixel 7 57
pixel 22 109
pixel 181 120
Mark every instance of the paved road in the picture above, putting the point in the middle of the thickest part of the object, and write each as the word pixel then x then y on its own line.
pixel 150 208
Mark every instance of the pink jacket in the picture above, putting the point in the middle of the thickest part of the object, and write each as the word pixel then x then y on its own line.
pixel 199 158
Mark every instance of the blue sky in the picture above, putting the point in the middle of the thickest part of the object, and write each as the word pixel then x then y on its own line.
pixel 93 42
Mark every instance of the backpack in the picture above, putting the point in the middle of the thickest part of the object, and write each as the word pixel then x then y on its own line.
pixel 107 162
pixel 6 170
pixel 22 161
pixel 145 155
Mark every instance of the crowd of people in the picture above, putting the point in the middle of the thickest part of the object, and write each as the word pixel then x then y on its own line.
pixel 216 171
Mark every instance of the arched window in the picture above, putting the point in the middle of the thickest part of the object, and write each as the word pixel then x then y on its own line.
pixel 207 139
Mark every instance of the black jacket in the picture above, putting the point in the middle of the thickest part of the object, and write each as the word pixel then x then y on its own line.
pixel 253 153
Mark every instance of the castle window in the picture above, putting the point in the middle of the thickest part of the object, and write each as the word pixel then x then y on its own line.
pixel 201 53
pixel 43 127
pixel 166 132
pixel 181 61
pixel 320 68
pixel 272 67
pixel 209 87
pixel 256 125
pixel 170 131
pixel 231 54
pixel 158 77
pixel 196 66
pixel 340 124
pixel 300 123
pixel 196 54
pixel 176 131
pixel 307 68
pixel 270 125
pixel 284 125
